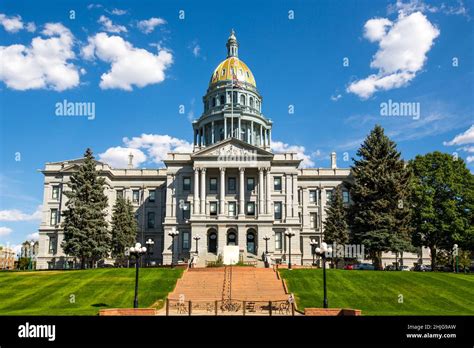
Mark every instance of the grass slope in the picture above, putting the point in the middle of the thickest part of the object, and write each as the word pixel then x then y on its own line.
pixel 377 292
pixel 49 292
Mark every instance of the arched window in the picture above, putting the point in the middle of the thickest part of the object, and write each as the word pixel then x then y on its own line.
pixel 235 97
pixel 213 102
pixel 242 99
pixel 251 102
pixel 222 99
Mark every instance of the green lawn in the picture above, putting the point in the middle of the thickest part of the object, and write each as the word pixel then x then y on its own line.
pixel 50 292
pixel 377 292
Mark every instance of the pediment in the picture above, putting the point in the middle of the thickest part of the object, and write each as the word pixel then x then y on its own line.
pixel 233 148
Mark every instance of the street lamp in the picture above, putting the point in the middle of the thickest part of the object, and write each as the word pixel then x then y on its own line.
pixel 289 234
pixel 456 254
pixel 322 252
pixel 266 239
pixel 196 238
pixel 149 247
pixel 313 244
pixel 173 234
pixel 137 251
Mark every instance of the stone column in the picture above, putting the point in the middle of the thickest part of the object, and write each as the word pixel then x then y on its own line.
pixel 261 135
pixel 260 190
pixel 239 136
pixel 222 191
pixel 295 195
pixel 196 191
pixel 269 190
pixel 252 142
pixel 173 196
pixel 213 136
pixel 288 204
pixel 225 127
pixel 241 191
pixel 195 137
pixel 269 137
pixel 203 191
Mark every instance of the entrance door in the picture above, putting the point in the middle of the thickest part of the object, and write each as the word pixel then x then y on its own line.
pixel 251 248
pixel 212 242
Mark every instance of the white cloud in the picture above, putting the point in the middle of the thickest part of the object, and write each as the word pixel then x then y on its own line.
pixel 43 64
pixel 31 27
pixel 5 231
pixel 11 24
pixel 401 54
pixel 278 146
pixel 196 50
pixel 464 138
pixel 108 26
pixel 418 5
pixel 118 157
pixel 470 159
pixel 148 25
pixel 117 12
pixel 336 97
pixel 33 236
pixel 18 215
pixel 92 6
pixel 129 65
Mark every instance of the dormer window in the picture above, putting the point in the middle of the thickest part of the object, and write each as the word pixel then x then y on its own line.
pixel 223 72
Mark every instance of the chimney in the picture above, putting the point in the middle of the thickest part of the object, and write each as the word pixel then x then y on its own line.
pixel 333 160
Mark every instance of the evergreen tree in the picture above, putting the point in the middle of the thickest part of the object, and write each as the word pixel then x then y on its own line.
pixel 124 227
pixel 380 189
pixel 336 229
pixel 443 200
pixel 85 228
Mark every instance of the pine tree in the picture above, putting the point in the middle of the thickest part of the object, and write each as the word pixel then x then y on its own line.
pixel 380 190
pixel 85 228
pixel 336 229
pixel 124 227
pixel 443 199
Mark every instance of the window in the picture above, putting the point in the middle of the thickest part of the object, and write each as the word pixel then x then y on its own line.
pixel 232 207
pixel 329 195
pixel 185 241
pixel 186 210
pixel 251 102
pixel 250 184
pixel 277 183
pixel 242 99
pixel 135 196
pixel 250 208
pixel 55 194
pixel 345 196
pixel 151 219
pixel 313 196
pixel 277 213
pixel 213 208
pixel 222 99
pixel 234 97
pixel 151 196
pixel 52 245
pixel 231 183
pixel 214 102
pixel 186 183
pixel 278 241
pixel 223 72
pixel 119 194
pixel 313 220
pixel 54 217
pixel 212 184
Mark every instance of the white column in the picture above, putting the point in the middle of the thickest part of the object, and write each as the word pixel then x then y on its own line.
pixel 213 135
pixel 295 195
pixel 260 190
pixel 222 192
pixel 203 191
pixel 261 136
pixel 225 127
pixel 269 190
pixel 288 187
pixel 196 191
pixel 269 137
pixel 241 191
pixel 239 136
pixel 251 134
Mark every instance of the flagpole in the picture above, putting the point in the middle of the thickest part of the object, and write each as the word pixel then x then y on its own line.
pixel 232 106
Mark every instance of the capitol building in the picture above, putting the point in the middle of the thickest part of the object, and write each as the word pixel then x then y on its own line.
pixel 230 191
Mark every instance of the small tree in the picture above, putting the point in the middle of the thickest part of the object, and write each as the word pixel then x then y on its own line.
pixel 124 228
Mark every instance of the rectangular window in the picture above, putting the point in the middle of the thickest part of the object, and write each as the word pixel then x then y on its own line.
pixel 135 196
pixel 231 184
pixel 213 208
pixel 54 217
pixel 329 195
pixel 185 240
pixel 313 220
pixel 277 183
pixel 277 212
pixel 250 184
pixel 313 194
pixel 278 240
pixel 250 208
pixel 186 210
pixel 52 245
pixel 55 194
pixel 152 196
pixel 151 219
pixel 232 207
pixel 119 194
pixel 345 196
pixel 212 184
pixel 186 183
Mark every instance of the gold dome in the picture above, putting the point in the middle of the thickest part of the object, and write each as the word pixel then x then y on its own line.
pixel 233 66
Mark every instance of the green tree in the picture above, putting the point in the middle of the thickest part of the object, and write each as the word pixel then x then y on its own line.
pixel 443 203
pixel 124 227
pixel 85 228
pixel 336 228
pixel 380 189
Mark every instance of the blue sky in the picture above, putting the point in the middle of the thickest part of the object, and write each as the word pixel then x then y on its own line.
pixel 138 61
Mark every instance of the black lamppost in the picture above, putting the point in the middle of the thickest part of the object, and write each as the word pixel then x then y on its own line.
pixel 149 247
pixel 196 238
pixel 289 234
pixel 313 244
pixel 137 251
pixel 266 239
pixel 173 234
pixel 322 252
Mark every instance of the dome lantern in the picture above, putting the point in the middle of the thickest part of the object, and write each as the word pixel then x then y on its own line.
pixel 232 45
